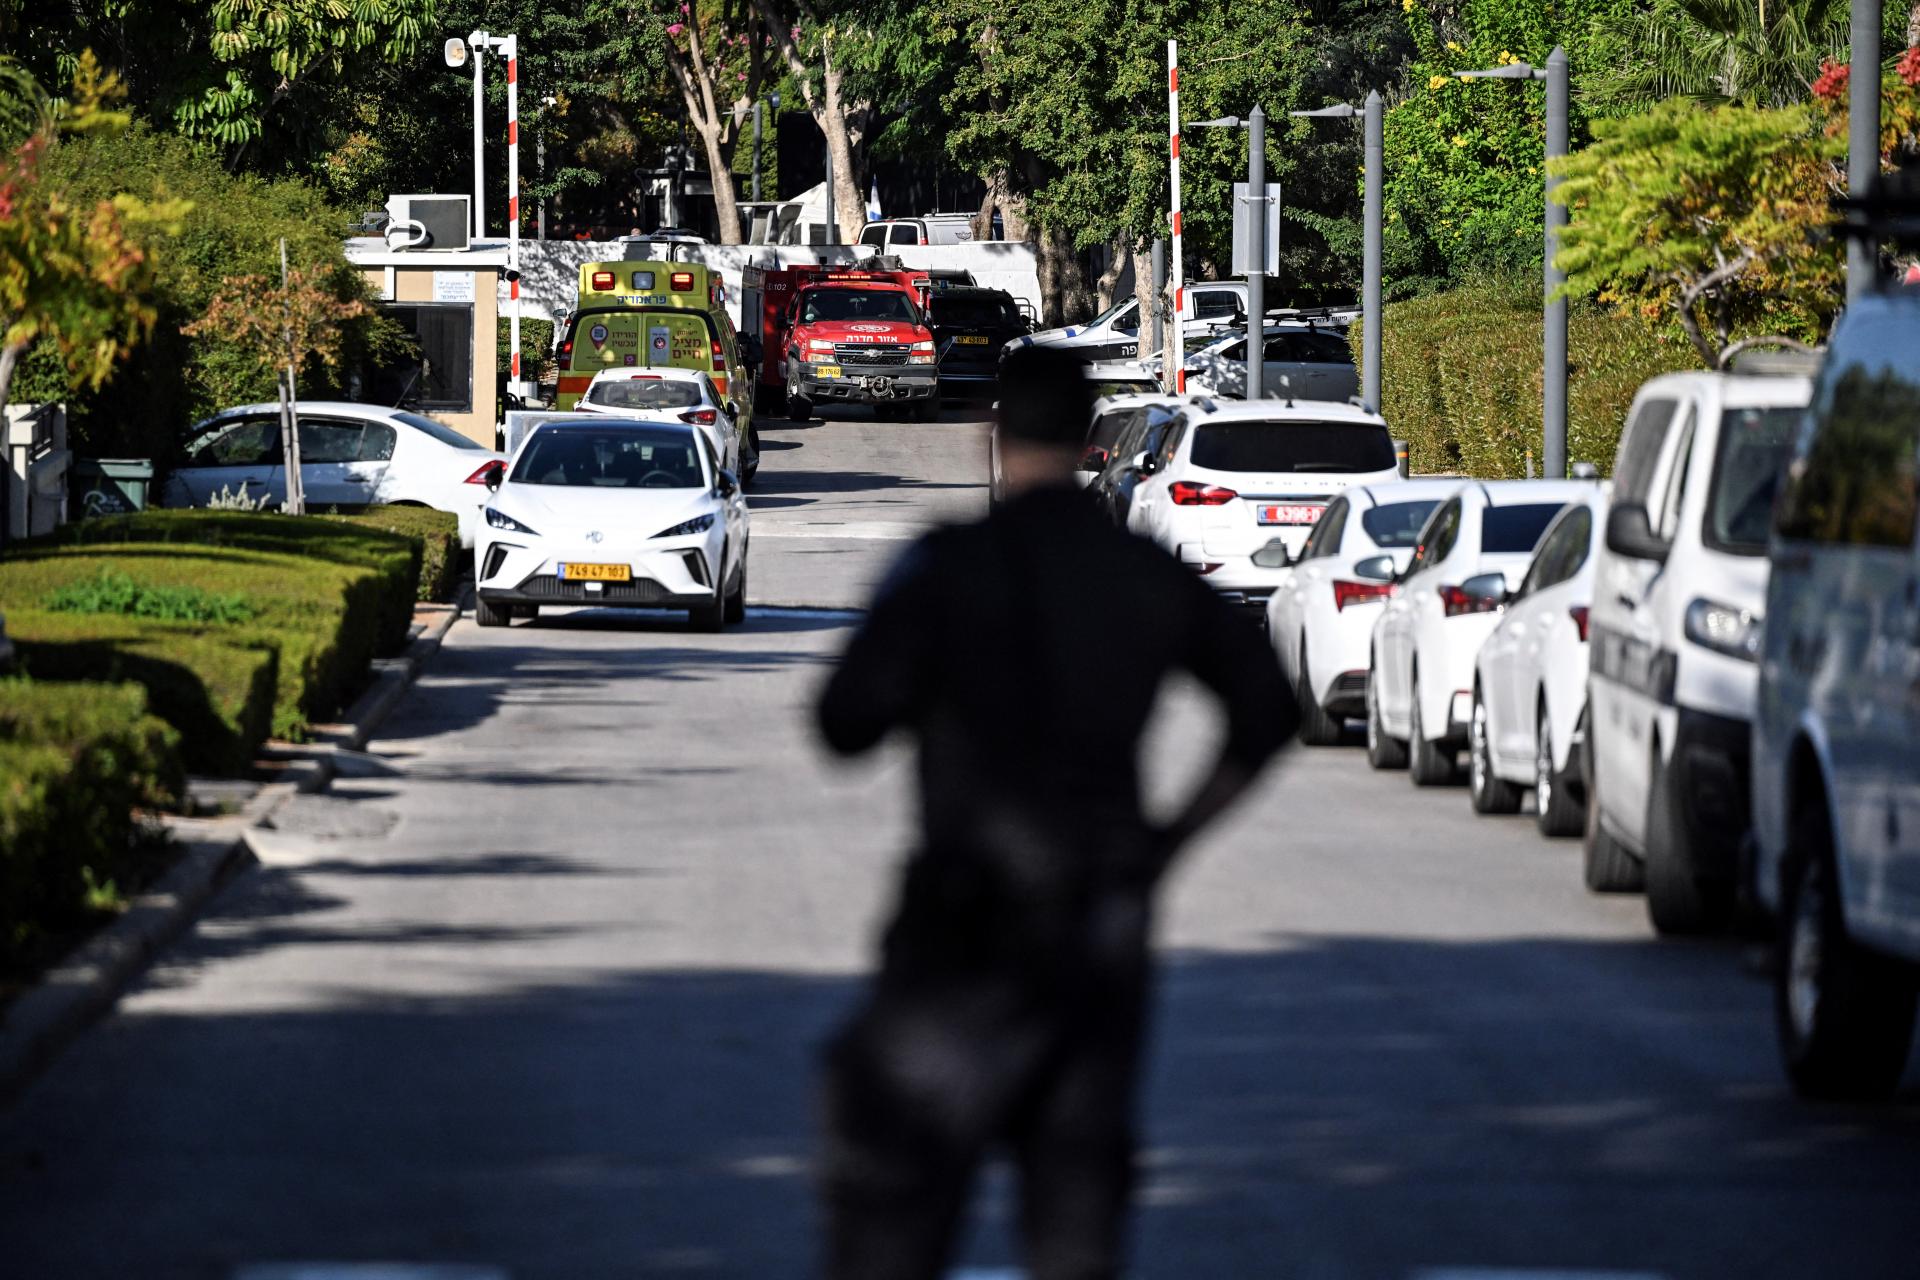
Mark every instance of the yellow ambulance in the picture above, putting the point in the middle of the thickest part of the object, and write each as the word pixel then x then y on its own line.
pixel 649 314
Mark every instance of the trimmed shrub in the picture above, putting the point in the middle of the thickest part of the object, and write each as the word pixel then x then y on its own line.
pixel 438 533
pixel 1461 377
pixel 394 556
pixel 216 692
pixel 324 618
pixel 76 761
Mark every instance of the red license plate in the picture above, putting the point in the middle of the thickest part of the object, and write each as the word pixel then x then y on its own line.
pixel 1289 513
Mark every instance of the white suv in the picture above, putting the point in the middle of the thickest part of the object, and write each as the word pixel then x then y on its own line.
pixel 1679 587
pixel 1235 487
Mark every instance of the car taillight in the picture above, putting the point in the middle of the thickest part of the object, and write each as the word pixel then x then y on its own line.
pixel 1185 493
pixel 1579 615
pixel 701 417
pixel 1093 459
pixel 603 280
pixel 681 282
pixel 1346 593
pixel 1458 601
pixel 566 351
pixel 480 476
pixel 719 357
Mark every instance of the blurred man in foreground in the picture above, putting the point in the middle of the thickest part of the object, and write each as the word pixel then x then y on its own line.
pixel 1025 653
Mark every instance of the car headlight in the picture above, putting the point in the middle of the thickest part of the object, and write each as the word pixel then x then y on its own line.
pixel 819 344
pixel 499 519
pixel 699 524
pixel 1724 629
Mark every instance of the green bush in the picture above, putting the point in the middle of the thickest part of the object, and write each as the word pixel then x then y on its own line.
pixel 1461 374
pixel 394 556
pixel 438 533
pixel 324 618
pixel 76 761
pixel 118 593
pixel 217 692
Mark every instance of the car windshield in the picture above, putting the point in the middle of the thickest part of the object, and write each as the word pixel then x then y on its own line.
pixel 1123 305
pixel 1108 426
pixel 645 393
pixel 1753 448
pixel 1293 445
pixel 622 458
pixel 1102 387
pixel 438 430
pixel 976 310
pixel 1397 524
pixel 1517 527
pixel 857 304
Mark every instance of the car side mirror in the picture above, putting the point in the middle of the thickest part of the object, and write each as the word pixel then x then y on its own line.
pixel 727 484
pixel 733 409
pixel 496 474
pixel 1375 569
pixel 1273 556
pixel 1490 587
pixel 1630 534
pixel 1145 463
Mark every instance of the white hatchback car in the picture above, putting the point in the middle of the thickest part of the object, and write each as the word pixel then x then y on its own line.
pixel 1475 548
pixel 608 511
pixel 350 455
pixel 668 394
pixel 1320 616
pixel 1680 586
pixel 1235 486
pixel 1530 681
pixel 1300 358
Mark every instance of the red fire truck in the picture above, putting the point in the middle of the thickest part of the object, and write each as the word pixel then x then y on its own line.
pixel 850 335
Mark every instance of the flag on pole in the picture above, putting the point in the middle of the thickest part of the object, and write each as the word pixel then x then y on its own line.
pixel 873 200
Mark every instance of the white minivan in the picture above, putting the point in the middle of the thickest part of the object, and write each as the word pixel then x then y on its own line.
pixel 1836 735
pixel 1679 590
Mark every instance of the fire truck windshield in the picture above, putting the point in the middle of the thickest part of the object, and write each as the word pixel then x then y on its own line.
pixel 857 304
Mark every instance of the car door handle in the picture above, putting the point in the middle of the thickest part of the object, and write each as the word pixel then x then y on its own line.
pixel 1626 602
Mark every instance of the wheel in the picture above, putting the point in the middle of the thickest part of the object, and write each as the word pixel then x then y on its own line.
pixel 1609 867
pixel 1844 1014
pixel 1556 812
pixel 1383 751
pixel 799 408
pixel 1317 728
pixel 750 462
pixel 735 610
pixel 1490 792
pixel 489 614
pixel 1431 765
pixel 1678 900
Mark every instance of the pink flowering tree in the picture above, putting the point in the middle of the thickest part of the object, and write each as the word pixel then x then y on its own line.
pixel 717 56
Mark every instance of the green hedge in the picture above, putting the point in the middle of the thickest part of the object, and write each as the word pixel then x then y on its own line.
pixel 394 557
pixel 76 762
pixel 438 533
pixel 217 691
pixel 1461 374
pixel 324 618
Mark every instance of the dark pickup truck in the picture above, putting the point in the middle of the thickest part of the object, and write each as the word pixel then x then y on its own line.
pixel 970 326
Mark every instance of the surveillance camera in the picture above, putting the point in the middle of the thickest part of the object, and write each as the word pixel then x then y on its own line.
pixel 456 51
pixel 512 275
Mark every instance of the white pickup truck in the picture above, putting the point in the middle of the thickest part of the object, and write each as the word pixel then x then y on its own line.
pixel 1114 334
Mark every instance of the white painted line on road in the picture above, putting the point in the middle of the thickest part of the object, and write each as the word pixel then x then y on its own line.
pixel 861 530
pixel 367 1271
pixel 1527 1273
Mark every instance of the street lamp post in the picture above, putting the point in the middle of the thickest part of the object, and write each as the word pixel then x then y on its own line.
pixel 1863 137
pixel 540 159
pixel 1554 374
pixel 1373 114
pixel 477 44
pixel 1256 124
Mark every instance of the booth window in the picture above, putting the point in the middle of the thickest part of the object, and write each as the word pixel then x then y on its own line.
pixel 440 375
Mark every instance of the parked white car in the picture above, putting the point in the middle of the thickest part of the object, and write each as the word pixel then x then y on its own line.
pixel 667 394
pixel 1475 548
pixel 1236 486
pixel 1114 334
pixel 1529 719
pixel 1301 360
pixel 1679 589
pixel 1321 614
pixel 1114 418
pixel 618 512
pixel 350 455
pixel 1836 734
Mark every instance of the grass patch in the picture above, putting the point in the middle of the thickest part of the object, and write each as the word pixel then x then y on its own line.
pixel 114 592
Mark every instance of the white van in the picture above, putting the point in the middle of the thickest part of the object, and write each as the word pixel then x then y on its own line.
pixel 928 228
pixel 1679 588
pixel 1836 735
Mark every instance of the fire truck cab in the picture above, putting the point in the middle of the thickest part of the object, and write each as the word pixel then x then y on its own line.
pixel 848 335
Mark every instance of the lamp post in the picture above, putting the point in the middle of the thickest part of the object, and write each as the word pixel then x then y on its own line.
pixel 1863 137
pixel 540 159
pixel 1554 380
pixel 476 45
pixel 1256 124
pixel 1373 113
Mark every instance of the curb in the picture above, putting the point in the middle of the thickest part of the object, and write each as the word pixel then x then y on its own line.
pixel 68 997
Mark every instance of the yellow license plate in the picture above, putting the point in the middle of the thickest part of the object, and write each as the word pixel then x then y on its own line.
pixel 827 370
pixel 597 572
pixel 971 340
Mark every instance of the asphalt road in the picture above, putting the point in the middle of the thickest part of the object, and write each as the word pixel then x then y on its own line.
pixel 537 992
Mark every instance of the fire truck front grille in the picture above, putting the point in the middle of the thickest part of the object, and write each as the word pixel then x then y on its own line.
pixel 866 355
